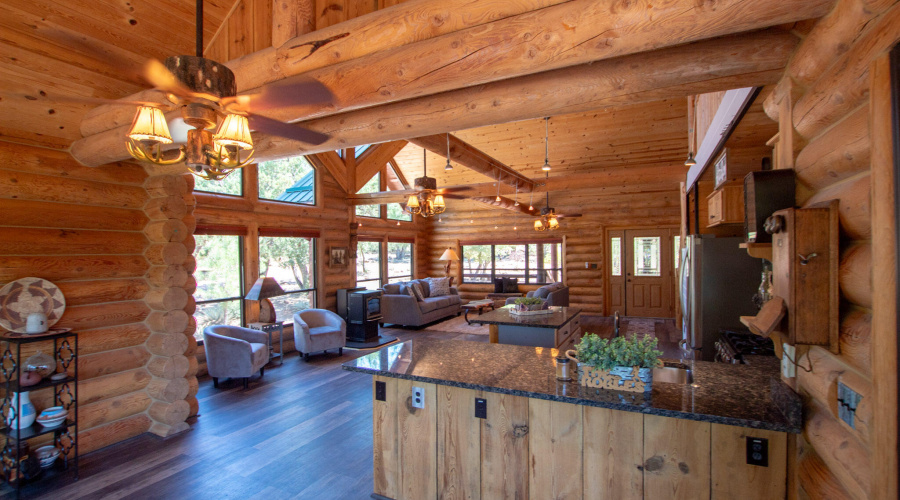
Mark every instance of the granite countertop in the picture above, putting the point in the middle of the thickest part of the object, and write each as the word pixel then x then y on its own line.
pixel 559 317
pixel 742 395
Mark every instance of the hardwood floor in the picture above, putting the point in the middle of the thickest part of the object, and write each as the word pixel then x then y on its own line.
pixel 302 431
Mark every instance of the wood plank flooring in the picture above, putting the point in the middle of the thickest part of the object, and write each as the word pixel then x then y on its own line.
pixel 302 431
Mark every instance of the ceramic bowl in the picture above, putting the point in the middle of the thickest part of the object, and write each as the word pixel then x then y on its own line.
pixel 47 455
pixel 52 416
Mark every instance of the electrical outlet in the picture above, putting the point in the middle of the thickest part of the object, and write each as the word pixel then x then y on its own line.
pixel 418 397
pixel 848 401
pixel 380 391
pixel 480 408
pixel 757 451
pixel 788 368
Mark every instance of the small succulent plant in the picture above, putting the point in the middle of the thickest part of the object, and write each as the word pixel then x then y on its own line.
pixel 605 354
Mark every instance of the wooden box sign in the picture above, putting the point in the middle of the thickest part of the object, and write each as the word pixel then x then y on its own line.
pixel 805 271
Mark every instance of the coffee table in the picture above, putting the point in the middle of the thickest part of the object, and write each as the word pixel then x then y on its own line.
pixel 479 305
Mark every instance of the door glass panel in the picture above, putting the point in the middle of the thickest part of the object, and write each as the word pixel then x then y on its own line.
pixel 616 254
pixel 677 252
pixel 646 256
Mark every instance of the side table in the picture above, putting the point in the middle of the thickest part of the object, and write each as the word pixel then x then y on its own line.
pixel 269 328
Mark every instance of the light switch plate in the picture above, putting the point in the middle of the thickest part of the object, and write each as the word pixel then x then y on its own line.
pixel 788 369
pixel 418 397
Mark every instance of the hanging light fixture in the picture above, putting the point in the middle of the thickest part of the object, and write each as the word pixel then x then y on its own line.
pixel 427 202
pixel 548 220
pixel 498 188
pixel 546 167
pixel 531 203
pixel 690 162
pixel 516 204
pixel 448 166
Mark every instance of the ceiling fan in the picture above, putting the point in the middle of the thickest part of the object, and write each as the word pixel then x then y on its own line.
pixel 549 218
pixel 427 200
pixel 205 92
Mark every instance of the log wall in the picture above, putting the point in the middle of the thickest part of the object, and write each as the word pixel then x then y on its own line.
pixel 86 230
pixel 823 107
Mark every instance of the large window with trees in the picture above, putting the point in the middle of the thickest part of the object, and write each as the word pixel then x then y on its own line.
pixel 292 262
pixel 291 180
pixel 400 261
pixel 368 264
pixel 373 186
pixel 530 262
pixel 219 274
pixel 233 184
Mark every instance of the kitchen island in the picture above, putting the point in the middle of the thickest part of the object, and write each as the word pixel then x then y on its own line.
pixel 495 423
pixel 559 328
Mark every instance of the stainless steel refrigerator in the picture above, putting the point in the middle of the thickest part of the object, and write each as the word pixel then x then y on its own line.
pixel 717 283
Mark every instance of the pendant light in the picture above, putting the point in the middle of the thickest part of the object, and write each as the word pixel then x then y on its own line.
pixel 516 204
pixel 690 162
pixel 498 186
pixel 546 167
pixel 448 167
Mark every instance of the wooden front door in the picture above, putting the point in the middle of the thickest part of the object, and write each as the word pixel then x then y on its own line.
pixel 649 272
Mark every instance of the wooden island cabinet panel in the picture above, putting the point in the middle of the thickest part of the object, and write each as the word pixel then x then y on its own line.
pixel 676 458
pixel 732 477
pixel 535 448
pixel 613 454
pixel 504 447
pixel 556 449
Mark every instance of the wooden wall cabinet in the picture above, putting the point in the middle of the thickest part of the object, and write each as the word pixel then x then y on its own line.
pixel 726 206
pixel 805 259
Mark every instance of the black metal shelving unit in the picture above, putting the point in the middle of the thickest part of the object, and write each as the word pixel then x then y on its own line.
pixel 65 394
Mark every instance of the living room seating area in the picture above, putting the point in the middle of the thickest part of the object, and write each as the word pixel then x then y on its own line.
pixel 402 306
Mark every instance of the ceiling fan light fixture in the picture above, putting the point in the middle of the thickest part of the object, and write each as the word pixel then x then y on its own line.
pixel 234 131
pixel 690 162
pixel 552 222
pixel 150 125
pixel 538 226
pixel 413 203
pixel 439 202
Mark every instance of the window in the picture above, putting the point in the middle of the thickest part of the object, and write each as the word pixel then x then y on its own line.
pixel 219 292
pixel 368 264
pixel 677 251
pixel 292 262
pixel 615 253
pixel 291 180
pixel 233 184
pixel 399 261
pixel 395 212
pixel 646 256
pixel 373 186
pixel 531 263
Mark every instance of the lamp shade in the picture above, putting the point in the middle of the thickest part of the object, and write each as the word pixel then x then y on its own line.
pixel 150 125
pixel 234 131
pixel 439 201
pixel 449 254
pixel 538 226
pixel 413 201
pixel 264 288
pixel 552 222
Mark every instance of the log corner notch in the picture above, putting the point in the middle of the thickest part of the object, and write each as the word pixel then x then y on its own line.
pixel 436 77
pixel 172 345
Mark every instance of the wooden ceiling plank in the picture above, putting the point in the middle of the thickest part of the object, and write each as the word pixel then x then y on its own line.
pixel 399 174
pixel 374 159
pixel 674 72
pixel 469 156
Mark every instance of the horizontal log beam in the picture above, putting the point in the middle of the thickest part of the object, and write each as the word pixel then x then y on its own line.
pixel 374 159
pixel 469 156
pixel 506 204
pixel 728 62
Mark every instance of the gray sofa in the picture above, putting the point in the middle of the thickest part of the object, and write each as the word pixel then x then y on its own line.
pixel 555 294
pixel 401 309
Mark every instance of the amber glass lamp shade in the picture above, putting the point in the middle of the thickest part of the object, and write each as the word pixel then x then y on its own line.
pixel 150 125
pixel 538 226
pixel 553 223
pixel 439 201
pixel 234 131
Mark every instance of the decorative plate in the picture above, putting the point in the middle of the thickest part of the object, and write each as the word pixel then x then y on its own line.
pixel 24 296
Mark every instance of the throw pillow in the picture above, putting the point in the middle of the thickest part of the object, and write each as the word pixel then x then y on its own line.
pixel 416 288
pixel 391 289
pixel 498 285
pixel 404 289
pixel 439 287
pixel 510 285
pixel 542 292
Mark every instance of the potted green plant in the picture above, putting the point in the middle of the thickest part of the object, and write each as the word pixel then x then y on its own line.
pixel 620 363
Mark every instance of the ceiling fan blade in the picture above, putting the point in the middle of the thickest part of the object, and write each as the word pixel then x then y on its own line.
pixel 90 100
pixel 160 77
pixel 286 130
pixel 294 91
pixel 451 196
pixel 568 216
pixel 457 189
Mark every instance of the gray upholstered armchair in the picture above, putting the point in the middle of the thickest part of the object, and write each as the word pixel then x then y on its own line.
pixel 232 351
pixel 319 330
pixel 555 294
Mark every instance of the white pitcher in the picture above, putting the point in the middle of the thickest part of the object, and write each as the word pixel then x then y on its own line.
pixel 21 411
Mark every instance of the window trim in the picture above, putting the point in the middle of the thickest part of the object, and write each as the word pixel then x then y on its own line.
pixel 381 252
pixel 525 242
pixel 412 256
pixel 240 234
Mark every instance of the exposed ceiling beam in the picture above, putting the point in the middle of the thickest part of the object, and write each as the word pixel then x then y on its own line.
pixel 611 180
pixel 729 62
pixel 330 161
pixel 401 179
pixel 373 159
pixel 507 204
pixel 469 156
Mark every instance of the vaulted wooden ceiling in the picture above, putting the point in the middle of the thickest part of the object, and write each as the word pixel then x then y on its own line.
pixel 51 49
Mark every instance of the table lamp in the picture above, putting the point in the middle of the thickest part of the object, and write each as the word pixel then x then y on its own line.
pixel 449 255
pixel 262 290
